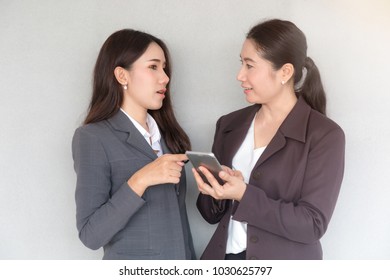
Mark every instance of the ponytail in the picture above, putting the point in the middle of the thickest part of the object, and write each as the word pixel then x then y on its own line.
pixel 312 90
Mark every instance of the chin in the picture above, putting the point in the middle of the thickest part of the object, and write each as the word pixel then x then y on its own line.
pixel 156 106
pixel 251 100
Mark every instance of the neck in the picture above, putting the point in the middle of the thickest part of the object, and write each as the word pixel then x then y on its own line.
pixel 277 110
pixel 137 113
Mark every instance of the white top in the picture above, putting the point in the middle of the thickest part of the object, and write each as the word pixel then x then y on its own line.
pixel 152 137
pixel 244 160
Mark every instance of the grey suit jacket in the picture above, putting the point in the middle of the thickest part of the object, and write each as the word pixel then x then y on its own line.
pixel 109 214
pixel 292 190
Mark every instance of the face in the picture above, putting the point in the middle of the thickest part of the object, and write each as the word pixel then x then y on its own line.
pixel 260 81
pixel 147 80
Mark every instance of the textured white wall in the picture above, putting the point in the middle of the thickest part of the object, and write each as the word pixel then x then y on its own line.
pixel 47 53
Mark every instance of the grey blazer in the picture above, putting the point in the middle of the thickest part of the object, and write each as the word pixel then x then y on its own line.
pixel 109 214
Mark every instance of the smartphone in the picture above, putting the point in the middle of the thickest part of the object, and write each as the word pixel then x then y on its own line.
pixel 207 160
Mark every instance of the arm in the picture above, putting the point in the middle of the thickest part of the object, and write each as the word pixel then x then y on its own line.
pixel 99 215
pixel 211 209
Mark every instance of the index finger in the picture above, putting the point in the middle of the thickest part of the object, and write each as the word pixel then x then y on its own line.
pixel 178 157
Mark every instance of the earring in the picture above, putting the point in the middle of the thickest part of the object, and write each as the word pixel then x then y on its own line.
pixel 283 82
pixel 125 87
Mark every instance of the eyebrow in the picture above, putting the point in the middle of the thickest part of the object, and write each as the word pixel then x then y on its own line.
pixel 246 59
pixel 157 60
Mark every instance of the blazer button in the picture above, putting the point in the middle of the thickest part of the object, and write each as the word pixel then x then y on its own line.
pixel 254 239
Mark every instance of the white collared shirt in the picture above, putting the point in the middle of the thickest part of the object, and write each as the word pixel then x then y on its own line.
pixel 244 160
pixel 153 137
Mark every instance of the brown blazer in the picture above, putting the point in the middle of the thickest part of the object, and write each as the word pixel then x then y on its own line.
pixel 292 190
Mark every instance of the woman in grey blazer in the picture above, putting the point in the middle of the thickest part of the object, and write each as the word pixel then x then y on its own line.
pixel 288 156
pixel 128 156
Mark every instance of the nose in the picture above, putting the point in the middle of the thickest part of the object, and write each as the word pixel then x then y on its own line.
pixel 241 74
pixel 164 78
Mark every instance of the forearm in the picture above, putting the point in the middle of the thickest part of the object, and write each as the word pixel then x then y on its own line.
pixel 98 224
pixel 212 210
pixel 298 222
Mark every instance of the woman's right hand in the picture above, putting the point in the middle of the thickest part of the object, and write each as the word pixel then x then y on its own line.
pixel 165 169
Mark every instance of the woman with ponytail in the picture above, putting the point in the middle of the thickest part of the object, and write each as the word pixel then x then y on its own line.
pixel 128 156
pixel 283 158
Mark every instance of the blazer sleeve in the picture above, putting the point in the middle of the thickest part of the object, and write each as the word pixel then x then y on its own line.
pixel 306 220
pixel 99 214
pixel 212 210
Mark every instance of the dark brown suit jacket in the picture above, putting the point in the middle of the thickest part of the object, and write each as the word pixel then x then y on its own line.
pixel 293 188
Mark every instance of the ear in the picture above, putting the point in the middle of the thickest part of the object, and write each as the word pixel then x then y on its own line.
pixel 121 75
pixel 287 71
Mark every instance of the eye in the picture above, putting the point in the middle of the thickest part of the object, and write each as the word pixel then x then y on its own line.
pixel 248 66
pixel 153 67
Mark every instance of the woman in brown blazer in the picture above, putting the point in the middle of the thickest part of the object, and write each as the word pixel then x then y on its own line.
pixel 286 157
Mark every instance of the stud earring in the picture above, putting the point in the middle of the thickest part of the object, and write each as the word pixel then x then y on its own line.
pixel 283 82
pixel 125 87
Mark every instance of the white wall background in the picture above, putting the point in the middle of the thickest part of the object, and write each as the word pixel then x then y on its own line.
pixel 47 53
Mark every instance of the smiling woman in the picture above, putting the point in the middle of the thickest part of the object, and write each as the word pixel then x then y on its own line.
pixel 128 156
pixel 284 159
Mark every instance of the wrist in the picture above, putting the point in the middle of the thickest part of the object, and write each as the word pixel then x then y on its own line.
pixel 242 192
pixel 136 185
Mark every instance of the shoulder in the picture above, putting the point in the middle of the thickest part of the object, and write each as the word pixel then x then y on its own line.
pixel 309 122
pixel 320 128
pixel 90 134
pixel 321 123
pixel 92 128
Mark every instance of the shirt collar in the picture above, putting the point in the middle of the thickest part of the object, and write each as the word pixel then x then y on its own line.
pixel 153 134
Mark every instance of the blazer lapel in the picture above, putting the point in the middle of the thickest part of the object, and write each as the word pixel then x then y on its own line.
pixel 235 133
pixel 294 127
pixel 274 146
pixel 122 123
pixel 164 147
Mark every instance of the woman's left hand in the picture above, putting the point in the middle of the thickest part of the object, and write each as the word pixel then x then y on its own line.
pixel 233 188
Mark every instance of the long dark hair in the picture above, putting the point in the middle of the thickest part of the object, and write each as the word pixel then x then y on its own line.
pixel 282 42
pixel 122 49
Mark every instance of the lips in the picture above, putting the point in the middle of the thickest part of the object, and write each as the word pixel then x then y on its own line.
pixel 247 89
pixel 162 92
